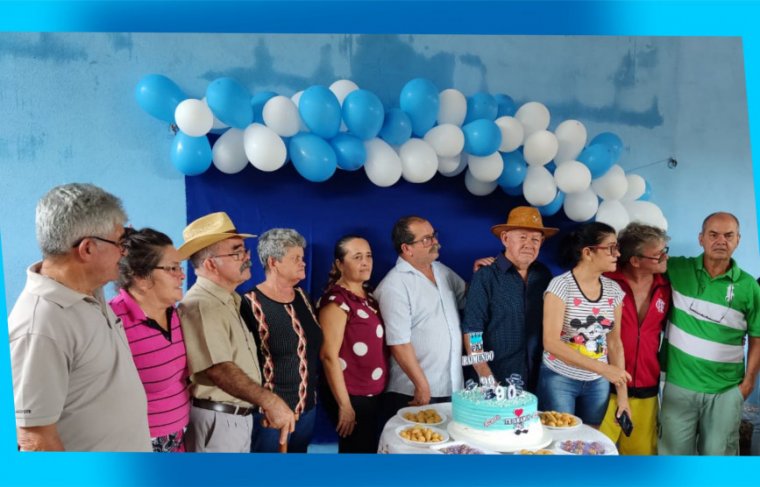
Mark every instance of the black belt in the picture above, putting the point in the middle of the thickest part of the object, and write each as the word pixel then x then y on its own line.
pixel 221 407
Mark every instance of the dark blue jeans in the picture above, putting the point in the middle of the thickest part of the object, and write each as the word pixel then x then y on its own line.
pixel 585 399
pixel 267 440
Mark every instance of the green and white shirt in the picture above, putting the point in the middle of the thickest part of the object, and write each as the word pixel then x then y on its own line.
pixel 708 322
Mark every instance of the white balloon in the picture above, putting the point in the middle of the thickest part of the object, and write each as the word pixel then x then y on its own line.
pixel 571 138
pixel 452 166
pixel 342 88
pixel 446 139
pixel 572 177
pixel 383 166
pixel 419 161
pixel 645 212
pixel 636 187
pixel 228 152
pixel 477 187
pixel 301 125
pixel 264 148
pixel 487 168
pixel 281 115
pixel 540 148
pixel 452 107
pixel 580 207
pixel 611 186
pixel 539 188
pixel 613 213
pixel 194 117
pixel 512 133
pixel 296 97
pixel 218 124
pixel 534 116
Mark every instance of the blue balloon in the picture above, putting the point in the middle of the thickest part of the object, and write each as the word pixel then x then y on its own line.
pixel 554 206
pixel 257 103
pixel 515 169
pixel 159 96
pixel 397 127
pixel 481 137
pixel 551 167
pixel 363 113
pixel 191 155
pixel 230 102
pixel 515 191
pixel 481 105
pixel 320 111
pixel 612 142
pixel 312 156
pixel 350 151
pixel 419 99
pixel 506 105
pixel 597 159
pixel 647 194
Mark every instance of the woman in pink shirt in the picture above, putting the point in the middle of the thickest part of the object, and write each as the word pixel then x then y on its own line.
pixel 150 283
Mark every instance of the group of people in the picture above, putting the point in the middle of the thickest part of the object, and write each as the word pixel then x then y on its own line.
pixel 214 371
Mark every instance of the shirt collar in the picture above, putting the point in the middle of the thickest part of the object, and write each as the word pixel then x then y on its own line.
pixel 125 304
pixel 54 291
pixel 733 272
pixel 218 291
pixel 404 266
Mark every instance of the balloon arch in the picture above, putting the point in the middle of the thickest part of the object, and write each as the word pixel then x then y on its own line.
pixel 344 127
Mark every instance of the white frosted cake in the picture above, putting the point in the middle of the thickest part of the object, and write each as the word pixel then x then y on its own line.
pixel 503 425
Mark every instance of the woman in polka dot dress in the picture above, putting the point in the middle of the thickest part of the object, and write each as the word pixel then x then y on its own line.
pixel 354 354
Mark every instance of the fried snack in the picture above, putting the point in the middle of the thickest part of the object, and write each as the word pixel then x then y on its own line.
pixel 556 419
pixel 424 416
pixel 542 451
pixel 421 434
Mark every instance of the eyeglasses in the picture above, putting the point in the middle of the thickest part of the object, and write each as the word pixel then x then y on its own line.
pixel 659 258
pixel 426 241
pixel 119 245
pixel 611 248
pixel 171 269
pixel 236 256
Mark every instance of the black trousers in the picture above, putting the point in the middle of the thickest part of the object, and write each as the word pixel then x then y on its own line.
pixel 366 434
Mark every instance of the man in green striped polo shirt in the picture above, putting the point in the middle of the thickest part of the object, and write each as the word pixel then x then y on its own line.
pixel 716 306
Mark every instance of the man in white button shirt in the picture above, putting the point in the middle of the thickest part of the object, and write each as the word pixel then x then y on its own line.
pixel 420 300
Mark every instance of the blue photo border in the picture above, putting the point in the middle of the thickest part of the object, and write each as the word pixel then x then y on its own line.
pixel 676 18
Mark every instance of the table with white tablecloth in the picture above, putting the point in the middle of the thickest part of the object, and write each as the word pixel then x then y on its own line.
pixel 391 443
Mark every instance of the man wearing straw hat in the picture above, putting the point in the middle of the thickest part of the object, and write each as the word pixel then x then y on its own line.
pixel 505 300
pixel 221 352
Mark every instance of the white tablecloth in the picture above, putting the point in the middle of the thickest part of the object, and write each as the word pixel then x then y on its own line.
pixel 391 443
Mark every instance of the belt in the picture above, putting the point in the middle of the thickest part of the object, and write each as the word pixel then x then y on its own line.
pixel 221 407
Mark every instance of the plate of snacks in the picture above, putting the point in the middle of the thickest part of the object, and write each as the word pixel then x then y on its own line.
pixel 461 448
pixel 420 435
pixel 559 421
pixel 542 451
pixel 422 415
pixel 580 447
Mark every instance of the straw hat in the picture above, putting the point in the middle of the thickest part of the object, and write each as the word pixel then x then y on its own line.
pixel 208 230
pixel 526 218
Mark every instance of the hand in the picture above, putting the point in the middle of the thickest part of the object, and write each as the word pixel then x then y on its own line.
pixel 617 376
pixel 278 415
pixel 346 421
pixel 746 388
pixel 421 397
pixel 622 406
pixel 482 262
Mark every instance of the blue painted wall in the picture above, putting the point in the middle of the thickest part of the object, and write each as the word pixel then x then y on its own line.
pixel 68 111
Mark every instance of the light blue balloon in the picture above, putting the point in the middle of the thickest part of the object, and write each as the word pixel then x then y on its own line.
pixel 312 156
pixel 553 207
pixel 515 169
pixel 481 105
pixel 191 155
pixel 419 99
pixel 506 105
pixel 481 137
pixel 397 127
pixel 363 113
pixel 612 142
pixel 320 111
pixel 230 102
pixel 597 159
pixel 647 194
pixel 258 101
pixel 515 191
pixel 349 151
pixel 159 96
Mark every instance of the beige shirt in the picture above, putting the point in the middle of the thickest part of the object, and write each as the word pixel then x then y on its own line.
pixel 215 333
pixel 72 367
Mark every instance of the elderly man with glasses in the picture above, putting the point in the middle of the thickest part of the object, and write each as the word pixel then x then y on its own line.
pixel 640 273
pixel 419 300
pixel 75 385
pixel 716 307
pixel 221 352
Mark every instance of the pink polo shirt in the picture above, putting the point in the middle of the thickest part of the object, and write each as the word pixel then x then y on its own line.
pixel 161 362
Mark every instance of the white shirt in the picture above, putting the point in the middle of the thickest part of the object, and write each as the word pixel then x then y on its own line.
pixel 426 315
